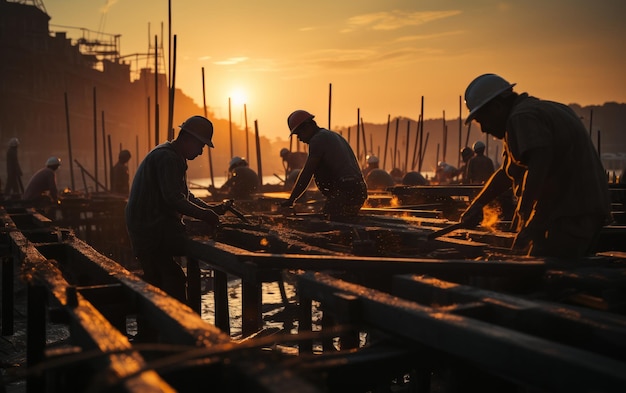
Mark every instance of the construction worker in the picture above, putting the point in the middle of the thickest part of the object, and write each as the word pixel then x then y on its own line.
pixel 14 171
pixel 42 187
pixel 480 167
pixel 242 181
pixel 466 154
pixel 333 164
pixel 158 200
pixel 119 174
pixel 292 160
pixel 372 163
pixel 563 196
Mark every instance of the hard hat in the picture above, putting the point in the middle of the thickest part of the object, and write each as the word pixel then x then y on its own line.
pixel 482 90
pixel 284 152
pixel 200 127
pixel 372 159
pixel 478 146
pixel 13 142
pixel 52 161
pixel 296 118
pixel 124 155
pixel 236 161
pixel 466 153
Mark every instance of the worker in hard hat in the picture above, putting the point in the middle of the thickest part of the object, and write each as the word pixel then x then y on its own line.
pixel 242 181
pixel 334 166
pixel 293 162
pixel 480 167
pixel 563 194
pixel 466 154
pixel 372 163
pixel 158 200
pixel 41 189
pixel 119 174
pixel 14 171
pixel 444 173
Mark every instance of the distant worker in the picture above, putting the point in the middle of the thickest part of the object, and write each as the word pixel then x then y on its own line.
pixel 445 173
pixel 158 200
pixel 466 154
pixel 14 171
pixel 379 179
pixel 242 181
pixel 293 160
pixel 372 163
pixel 563 197
pixel 42 187
pixel 480 167
pixel 333 164
pixel 119 174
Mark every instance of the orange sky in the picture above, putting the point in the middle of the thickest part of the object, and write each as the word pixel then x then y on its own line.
pixel 380 56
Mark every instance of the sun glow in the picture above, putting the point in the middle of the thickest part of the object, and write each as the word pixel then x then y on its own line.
pixel 238 97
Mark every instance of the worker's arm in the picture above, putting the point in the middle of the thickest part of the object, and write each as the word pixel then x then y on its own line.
pixel 530 223
pixel 497 184
pixel 303 179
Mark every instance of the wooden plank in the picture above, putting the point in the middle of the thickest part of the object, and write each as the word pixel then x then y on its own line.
pixel 516 356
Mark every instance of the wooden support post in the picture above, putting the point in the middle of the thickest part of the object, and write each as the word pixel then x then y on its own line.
pixel 305 322
pixel 7 295
pixel 36 336
pixel 220 293
pixel 251 296
pixel 194 292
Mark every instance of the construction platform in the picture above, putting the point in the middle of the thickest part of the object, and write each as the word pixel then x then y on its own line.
pixel 372 305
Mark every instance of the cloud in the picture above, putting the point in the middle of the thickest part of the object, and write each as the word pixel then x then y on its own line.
pixel 422 37
pixel 231 61
pixel 204 58
pixel 105 8
pixel 396 19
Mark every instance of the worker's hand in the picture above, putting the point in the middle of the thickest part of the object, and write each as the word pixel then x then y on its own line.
pixel 211 217
pixel 472 216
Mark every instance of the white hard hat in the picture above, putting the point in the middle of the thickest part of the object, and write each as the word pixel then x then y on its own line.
pixel 53 161
pixel 14 142
pixel 482 90
pixel 372 159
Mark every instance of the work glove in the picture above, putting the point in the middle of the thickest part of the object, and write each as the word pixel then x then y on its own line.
pixel 211 218
pixel 472 216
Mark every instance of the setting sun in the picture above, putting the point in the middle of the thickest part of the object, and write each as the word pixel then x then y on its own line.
pixel 238 97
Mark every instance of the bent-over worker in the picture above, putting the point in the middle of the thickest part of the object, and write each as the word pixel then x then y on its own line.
pixel 334 166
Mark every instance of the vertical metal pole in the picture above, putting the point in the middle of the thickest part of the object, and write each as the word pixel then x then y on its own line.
pixel 104 155
pixel 419 169
pixel 156 91
pixel 230 130
pixel 69 141
pixel 206 115
pixel 330 101
pixel 258 153
pixel 245 115
pixel 95 139
pixel 386 140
